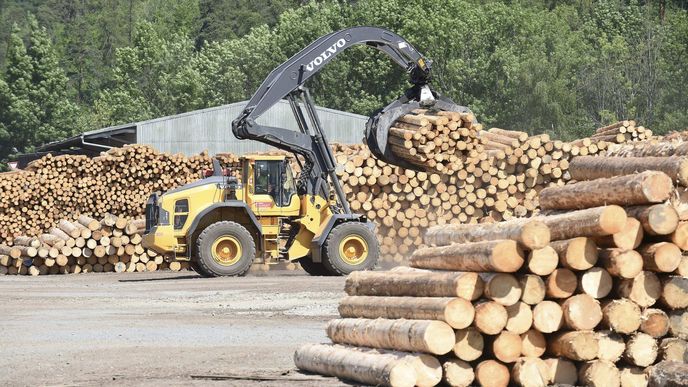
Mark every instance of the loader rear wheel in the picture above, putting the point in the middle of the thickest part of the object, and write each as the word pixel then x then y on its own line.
pixel 316 269
pixel 224 249
pixel 351 246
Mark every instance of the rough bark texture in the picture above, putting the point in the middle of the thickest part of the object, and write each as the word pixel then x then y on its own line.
pixel 456 312
pixel 591 222
pixel 468 286
pixel 668 374
pixel 433 337
pixel 532 234
pixel 497 256
pixel 642 188
pixel 596 167
pixel 350 364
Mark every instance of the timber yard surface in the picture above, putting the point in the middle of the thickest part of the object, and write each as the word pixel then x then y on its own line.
pixel 163 328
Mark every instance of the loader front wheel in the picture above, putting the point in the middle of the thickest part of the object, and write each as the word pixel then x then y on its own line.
pixel 351 246
pixel 224 249
pixel 315 269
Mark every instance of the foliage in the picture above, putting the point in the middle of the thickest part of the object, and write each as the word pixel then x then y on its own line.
pixel 563 67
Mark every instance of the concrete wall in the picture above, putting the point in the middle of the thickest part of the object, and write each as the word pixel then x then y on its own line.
pixel 210 129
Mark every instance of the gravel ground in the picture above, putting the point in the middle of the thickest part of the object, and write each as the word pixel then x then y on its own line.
pixel 162 328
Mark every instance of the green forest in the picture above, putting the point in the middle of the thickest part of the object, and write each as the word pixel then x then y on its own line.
pixel 561 67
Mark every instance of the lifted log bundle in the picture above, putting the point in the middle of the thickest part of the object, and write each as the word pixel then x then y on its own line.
pixel 642 188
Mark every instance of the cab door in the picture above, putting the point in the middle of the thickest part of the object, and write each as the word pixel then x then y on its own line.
pixel 274 189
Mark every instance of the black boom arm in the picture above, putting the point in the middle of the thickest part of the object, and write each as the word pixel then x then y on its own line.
pixel 286 81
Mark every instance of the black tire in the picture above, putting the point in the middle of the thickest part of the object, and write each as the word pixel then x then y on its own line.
pixel 338 265
pixel 234 234
pixel 315 269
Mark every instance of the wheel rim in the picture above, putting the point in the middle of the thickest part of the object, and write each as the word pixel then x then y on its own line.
pixel 226 250
pixel 353 249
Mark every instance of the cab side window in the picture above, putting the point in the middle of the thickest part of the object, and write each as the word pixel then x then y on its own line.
pixel 267 178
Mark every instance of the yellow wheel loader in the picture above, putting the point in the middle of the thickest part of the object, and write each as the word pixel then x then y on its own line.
pixel 221 224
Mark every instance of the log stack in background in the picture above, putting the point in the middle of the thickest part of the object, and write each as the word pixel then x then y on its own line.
pixel 112 244
pixel 587 293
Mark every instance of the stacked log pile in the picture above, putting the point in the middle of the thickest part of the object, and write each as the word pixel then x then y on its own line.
pixel 593 291
pixel 119 181
pixel 484 176
pixel 112 244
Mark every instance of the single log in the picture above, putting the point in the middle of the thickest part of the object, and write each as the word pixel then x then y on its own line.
pixel 27 241
pixel 591 222
pixel 434 337
pixel 620 263
pixel 369 368
pixel 596 167
pixel 596 282
pixel 630 237
pixel 642 188
pixel 533 343
pixel 498 256
pixel 621 315
pixel 542 261
pixel 89 222
pixel 673 349
pixel 427 368
pixel 469 344
pixel 532 234
pixel 531 372
pixel 660 257
pixel 645 289
pixel 548 317
pixel 611 346
pixel 13 251
pixel 506 347
pixel 490 317
pixel 581 312
pixel 519 318
pixel 69 228
pixel 467 285
pixel 456 312
pixel 575 345
pixel 562 283
pixel 658 219
pixel 533 289
pixel 491 373
pixel 632 377
pixel 654 322
pixel 675 292
pixel 641 350
pixel 457 373
pixel 599 373
pixel 502 288
pixel 562 371
pixel 577 253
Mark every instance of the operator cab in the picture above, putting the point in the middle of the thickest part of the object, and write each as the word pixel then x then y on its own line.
pixel 270 185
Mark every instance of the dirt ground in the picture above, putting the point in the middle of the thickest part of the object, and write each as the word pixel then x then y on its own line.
pixel 162 328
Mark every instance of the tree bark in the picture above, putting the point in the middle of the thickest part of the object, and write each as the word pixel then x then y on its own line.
pixel 642 188
pixel 596 167
pixel 592 222
pixel 466 285
pixel 499 256
pixel 531 234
